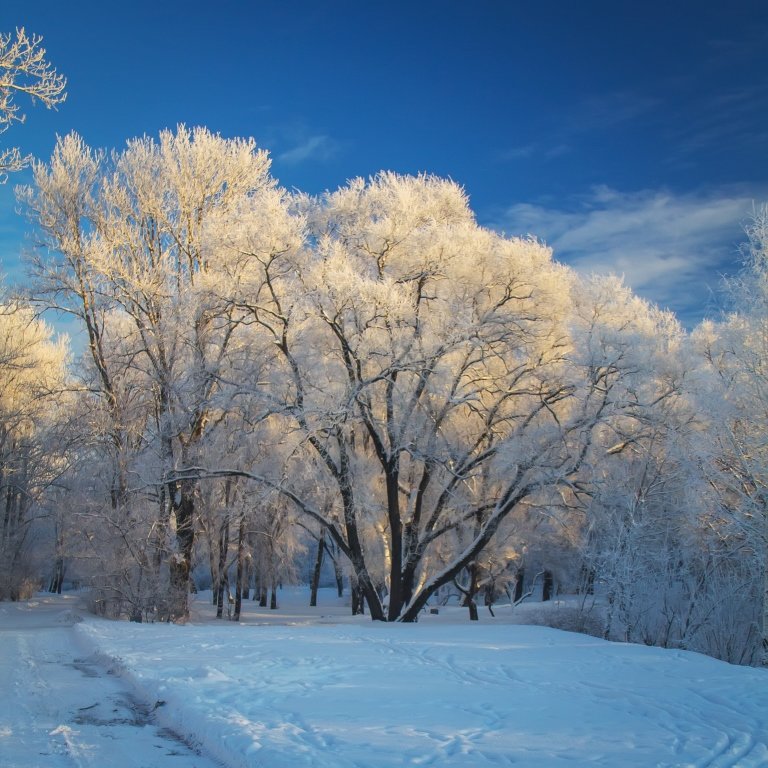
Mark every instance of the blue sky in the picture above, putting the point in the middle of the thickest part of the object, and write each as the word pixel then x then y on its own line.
pixel 631 137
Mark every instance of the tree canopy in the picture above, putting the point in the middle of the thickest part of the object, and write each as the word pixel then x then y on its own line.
pixel 433 403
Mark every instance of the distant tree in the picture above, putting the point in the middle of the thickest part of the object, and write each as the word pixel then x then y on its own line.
pixel 734 394
pixel 676 517
pixel 24 70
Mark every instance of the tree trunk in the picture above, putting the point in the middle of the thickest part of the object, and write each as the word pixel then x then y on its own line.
pixel 519 584
pixel 548 586
pixel 213 566
pixel 245 587
pixel 178 592
pixel 409 576
pixel 245 584
pixel 490 597
pixel 587 580
pixel 396 541
pixel 58 577
pixel 471 603
pixel 411 613
pixel 241 566
pixel 181 561
pixel 358 600
pixel 316 571
pixel 469 592
pixel 354 542
pixel 222 582
pixel 333 552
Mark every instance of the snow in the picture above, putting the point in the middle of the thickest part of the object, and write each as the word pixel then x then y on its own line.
pixel 317 687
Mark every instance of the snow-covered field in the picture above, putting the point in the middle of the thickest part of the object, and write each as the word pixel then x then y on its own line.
pixel 316 687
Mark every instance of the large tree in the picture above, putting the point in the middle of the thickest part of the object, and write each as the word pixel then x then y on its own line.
pixel 437 375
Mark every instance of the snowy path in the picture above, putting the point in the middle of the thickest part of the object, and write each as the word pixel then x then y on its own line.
pixel 60 708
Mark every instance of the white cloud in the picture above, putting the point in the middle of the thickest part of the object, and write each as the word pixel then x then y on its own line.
pixel 313 148
pixel 672 249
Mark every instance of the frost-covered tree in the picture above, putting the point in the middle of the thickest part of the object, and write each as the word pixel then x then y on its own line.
pixel 437 403
pixel 433 372
pixel 734 393
pixel 25 71
pixel 33 376
pixel 126 249
pixel 676 527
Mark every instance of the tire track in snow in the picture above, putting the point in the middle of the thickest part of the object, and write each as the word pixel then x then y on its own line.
pixel 741 751
pixel 733 747
pixel 59 744
pixel 501 674
pixel 733 743
pixel 465 744
pixel 63 711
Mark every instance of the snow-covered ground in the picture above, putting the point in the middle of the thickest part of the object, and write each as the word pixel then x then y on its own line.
pixel 316 687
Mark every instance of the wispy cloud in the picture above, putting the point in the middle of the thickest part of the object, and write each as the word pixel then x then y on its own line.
pixel 728 119
pixel 534 150
pixel 727 50
pixel 522 151
pixel 609 110
pixel 317 148
pixel 595 114
pixel 672 249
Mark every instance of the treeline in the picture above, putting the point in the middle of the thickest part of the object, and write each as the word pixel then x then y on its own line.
pixel 370 371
